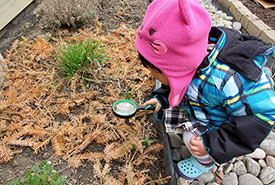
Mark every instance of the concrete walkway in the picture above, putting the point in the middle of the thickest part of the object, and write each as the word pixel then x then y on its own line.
pixel 9 9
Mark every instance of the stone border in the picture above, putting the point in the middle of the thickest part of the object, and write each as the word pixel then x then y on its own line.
pixel 250 22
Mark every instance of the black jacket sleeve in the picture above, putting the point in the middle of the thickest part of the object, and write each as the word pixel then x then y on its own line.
pixel 162 94
pixel 242 136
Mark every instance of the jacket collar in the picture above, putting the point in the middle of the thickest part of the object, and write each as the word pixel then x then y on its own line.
pixel 218 37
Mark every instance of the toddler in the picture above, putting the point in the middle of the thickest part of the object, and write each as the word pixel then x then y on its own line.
pixel 215 75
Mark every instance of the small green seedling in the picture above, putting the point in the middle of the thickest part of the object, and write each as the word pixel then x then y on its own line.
pixel 40 175
pixel 146 142
pixel 27 25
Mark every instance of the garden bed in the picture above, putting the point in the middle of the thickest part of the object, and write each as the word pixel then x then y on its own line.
pixel 41 109
pixel 44 117
pixel 70 122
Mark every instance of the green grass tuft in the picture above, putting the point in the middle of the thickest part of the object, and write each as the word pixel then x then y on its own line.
pixel 80 56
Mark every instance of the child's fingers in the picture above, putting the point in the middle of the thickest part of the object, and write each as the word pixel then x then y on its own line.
pixel 158 107
pixel 151 101
pixel 154 101
pixel 197 151
pixel 196 141
pixel 196 146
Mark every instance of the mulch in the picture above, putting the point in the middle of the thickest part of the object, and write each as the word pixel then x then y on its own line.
pixel 267 15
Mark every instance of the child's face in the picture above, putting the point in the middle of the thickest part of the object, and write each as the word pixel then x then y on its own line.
pixel 160 76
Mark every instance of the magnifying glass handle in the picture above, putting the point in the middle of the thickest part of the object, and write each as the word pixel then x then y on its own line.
pixel 146 107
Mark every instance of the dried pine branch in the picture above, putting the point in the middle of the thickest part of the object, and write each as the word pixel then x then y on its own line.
pixel 119 150
pixel 101 172
pixel 89 138
pixel 21 142
pixel 43 109
pixel 91 156
pixel 41 145
pixel 74 162
pixel 154 147
pixel 5 153
pixel 160 180
pixel 58 144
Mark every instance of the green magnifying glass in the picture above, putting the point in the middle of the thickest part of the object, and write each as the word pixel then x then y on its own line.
pixel 127 108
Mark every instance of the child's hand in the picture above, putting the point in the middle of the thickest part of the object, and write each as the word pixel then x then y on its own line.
pixel 197 147
pixel 154 101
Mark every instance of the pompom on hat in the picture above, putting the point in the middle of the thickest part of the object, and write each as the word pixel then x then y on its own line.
pixel 173 37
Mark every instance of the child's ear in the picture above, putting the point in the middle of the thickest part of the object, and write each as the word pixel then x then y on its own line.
pixel 185 10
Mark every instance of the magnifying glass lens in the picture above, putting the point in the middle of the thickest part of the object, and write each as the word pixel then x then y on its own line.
pixel 125 108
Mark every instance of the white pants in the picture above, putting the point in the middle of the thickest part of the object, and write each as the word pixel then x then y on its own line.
pixel 206 159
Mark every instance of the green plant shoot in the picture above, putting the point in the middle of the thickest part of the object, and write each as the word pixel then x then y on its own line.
pixel 40 175
pixel 79 56
pixel 146 142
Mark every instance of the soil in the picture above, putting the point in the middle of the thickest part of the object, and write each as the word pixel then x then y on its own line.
pixel 267 15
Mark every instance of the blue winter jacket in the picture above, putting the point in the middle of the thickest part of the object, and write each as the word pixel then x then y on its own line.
pixel 231 95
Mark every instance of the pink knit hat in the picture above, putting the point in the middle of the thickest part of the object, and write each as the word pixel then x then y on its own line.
pixel 174 37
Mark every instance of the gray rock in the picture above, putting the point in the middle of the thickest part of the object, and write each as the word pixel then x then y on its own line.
pixel 214 169
pixel 257 154
pixel 213 9
pixel 237 26
pixel 207 177
pixel 262 163
pixel 272 183
pixel 182 181
pixel 268 146
pixel 249 179
pixel 212 183
pixel 268 70
pixel 239 168
pixel 270 161
pixel 219 12
pixel 224 15
pixel 228 23
pixel 176 155
pixel 267 175
pixel 228 168
pixel 271 135
pixel 220 173
pixel 240 158
pixel 230 179
pixel 220 23
pixel 184 152
pixel 252 166
pixel 236 159
pixel 175 140
pixel 197 183
pixel 219 18
pixel 205 2
pixel 228 18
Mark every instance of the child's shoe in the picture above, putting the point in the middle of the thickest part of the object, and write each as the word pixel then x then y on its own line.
pixel 191 169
